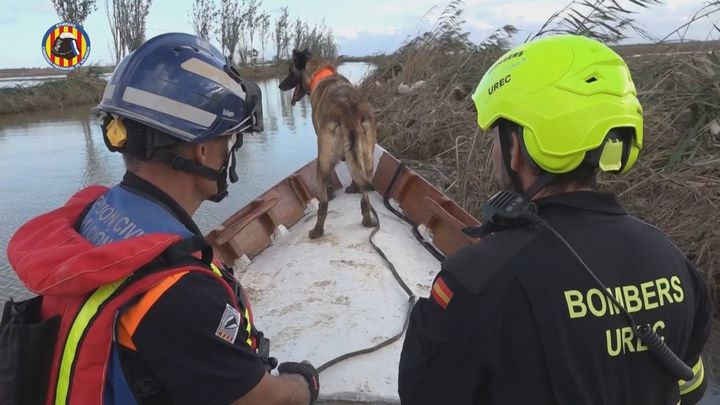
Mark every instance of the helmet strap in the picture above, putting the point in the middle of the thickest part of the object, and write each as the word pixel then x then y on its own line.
pixel 220 176
pixel 542 181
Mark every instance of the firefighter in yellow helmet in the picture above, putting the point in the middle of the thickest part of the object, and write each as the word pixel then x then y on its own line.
pixel 568 299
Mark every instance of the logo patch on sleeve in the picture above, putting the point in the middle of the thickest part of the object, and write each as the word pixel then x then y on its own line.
pixel 441 293
pixel 229 324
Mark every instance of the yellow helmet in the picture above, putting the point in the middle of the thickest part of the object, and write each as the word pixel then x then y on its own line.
pixel 574 98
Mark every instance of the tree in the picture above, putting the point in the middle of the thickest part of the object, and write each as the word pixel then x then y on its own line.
pixel 229 30
pixel 265 34
pixel 137 14
pixel 282 34
pixel 204 13
pixel 74 11
pixel 126 19
pixel 300 32
pixel 318 40
pixel 117 18
pixel 251 25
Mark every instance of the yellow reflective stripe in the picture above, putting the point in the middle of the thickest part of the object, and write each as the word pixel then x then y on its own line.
pixel 86 313
pixel 688 386
pixel 216 270
pixel 248 327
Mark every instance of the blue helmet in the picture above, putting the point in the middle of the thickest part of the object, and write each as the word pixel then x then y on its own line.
pixel 181 85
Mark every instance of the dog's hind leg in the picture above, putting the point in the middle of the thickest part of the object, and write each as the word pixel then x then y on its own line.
pixel 355 145
pixel 328 157
pixel 362 182
pixel 323 179
pixel 368 151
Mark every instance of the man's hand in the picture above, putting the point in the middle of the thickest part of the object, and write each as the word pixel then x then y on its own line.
pixel 285 389
pixel 306 370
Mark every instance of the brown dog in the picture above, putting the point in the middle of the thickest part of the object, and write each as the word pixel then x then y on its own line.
pixel 344 124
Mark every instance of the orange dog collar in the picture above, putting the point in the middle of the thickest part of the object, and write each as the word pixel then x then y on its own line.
pixel 322 74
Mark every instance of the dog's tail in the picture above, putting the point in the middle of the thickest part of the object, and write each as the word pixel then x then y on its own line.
pixel 353 130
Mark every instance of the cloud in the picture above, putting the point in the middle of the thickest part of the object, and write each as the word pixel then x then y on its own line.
pixel 358 30
pixel 676 4
pixel 478 24
pixel 366 43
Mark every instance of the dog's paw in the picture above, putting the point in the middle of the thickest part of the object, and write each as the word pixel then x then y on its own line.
pixel 369 222
pixel 352 188
pixel 315 233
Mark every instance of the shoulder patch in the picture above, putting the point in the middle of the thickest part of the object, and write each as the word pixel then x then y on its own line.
pixel 229 324
pixel 441 293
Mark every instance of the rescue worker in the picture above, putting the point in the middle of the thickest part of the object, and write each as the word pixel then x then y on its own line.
pixel 145 314
pixel 517 318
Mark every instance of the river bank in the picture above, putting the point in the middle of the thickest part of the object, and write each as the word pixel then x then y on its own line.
pixel 83 87
pixel 78 88
pixel 49 72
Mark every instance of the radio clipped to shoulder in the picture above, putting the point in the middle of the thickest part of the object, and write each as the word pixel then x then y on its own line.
pixel 504 210
pixel 509 209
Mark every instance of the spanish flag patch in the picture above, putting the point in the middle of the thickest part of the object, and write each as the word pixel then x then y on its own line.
pixel 441 293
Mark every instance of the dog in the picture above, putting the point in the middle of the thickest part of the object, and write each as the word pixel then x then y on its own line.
pixel 345 126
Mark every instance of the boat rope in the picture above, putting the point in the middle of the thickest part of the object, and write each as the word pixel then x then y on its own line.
pixel 411 302
pixel 415 230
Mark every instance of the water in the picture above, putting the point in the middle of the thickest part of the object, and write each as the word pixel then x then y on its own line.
pixel 27 81
pixel 47 156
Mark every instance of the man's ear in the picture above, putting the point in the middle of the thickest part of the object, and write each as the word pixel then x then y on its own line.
pixel 200 152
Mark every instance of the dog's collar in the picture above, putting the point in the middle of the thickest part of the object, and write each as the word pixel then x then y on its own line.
pixel 321 74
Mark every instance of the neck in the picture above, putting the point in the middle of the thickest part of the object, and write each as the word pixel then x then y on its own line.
pixel 548 192
pixel 173 184
pixel 320 75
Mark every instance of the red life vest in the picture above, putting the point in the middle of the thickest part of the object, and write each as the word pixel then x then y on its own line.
pixel 86 285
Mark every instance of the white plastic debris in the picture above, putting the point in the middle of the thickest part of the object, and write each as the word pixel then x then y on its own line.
pixel 714 128
pixel 417 85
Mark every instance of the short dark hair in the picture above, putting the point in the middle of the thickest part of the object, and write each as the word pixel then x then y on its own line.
pixel 582 176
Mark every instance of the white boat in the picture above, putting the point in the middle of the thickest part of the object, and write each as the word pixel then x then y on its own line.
pixel 319 299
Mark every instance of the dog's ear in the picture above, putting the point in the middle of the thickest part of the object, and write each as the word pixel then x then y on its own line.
pixel 300 59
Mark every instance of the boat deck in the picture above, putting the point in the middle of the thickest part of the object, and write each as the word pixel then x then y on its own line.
pixel 318 299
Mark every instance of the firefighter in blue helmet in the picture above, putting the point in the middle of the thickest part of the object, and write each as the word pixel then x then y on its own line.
pixel 143 313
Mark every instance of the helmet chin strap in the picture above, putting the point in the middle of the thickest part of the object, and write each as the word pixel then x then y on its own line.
pixel 505 132
pixel 220 176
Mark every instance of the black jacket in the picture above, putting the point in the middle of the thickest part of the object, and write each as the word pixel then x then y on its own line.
pixel 516 319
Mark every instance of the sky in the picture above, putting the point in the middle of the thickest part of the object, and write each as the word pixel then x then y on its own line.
pixel 360 27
